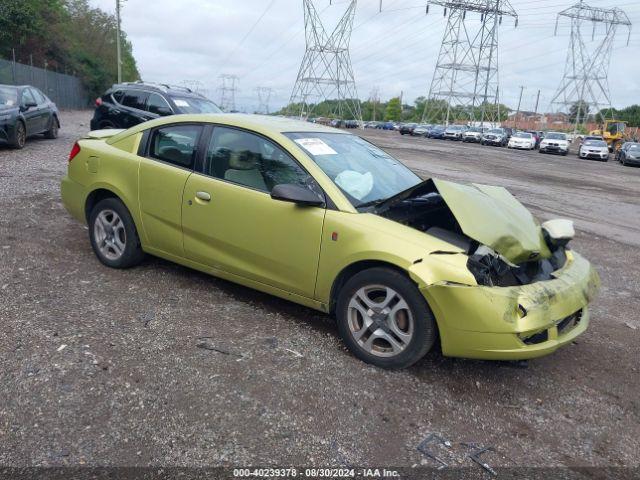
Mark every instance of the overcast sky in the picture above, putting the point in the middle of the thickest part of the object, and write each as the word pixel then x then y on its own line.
pixel 262 42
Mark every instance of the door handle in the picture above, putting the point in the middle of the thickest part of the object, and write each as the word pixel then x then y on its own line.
pixel 204 196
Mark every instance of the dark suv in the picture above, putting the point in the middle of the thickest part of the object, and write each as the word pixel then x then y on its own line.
pixel 127 104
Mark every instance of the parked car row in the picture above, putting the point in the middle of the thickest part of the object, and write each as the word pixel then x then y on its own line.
pixel 591 147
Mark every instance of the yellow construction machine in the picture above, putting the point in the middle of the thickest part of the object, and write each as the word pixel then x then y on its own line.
pixel 614 133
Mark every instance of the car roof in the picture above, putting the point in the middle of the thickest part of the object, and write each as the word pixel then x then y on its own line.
pixel 266 124
pixel 157 87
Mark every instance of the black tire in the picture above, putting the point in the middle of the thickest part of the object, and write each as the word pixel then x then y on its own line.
pixel 423 329
pixel 132 253
pixel 52 133
pixel 19 139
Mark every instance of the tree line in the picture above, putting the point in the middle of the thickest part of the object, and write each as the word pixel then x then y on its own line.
pixel 67 36
pixel 432 111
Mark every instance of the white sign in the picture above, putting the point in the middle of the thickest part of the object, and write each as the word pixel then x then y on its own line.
pixel 315 146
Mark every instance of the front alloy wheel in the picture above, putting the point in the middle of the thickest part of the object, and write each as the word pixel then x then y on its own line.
pixel 380 320
pixel 384 319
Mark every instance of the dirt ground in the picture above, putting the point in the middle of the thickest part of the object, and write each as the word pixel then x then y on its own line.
pixel 107 367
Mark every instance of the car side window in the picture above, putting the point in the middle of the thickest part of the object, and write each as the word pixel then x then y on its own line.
pixel 135 99
pixel 252 161
pixel 118 96
pixel 40 98
pixel 176 144
pixel 158 105
pixel 27 97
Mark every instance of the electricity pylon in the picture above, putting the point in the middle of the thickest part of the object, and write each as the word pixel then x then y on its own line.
pixel 465 80
pixel 326 72
pixel 264 95
pixel 228 91
pixel 585 83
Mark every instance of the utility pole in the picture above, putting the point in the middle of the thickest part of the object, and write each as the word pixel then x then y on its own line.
pixel 535 113
pixel 466 72
pixel 515 124
pixel 374 98
pixel 118 40
pixel 326 72
pixel 585 82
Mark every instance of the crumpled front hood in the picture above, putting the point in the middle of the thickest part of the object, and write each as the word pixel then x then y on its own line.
pixel 492 216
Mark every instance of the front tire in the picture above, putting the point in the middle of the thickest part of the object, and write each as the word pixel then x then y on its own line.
pixel 384 319
pixel 19 136
pixel 113 235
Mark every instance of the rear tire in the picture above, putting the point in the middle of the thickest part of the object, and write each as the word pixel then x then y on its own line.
pixel 384 319
pixel 52 133
pixel 113 234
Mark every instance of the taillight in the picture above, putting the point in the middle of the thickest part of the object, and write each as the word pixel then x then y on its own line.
pixel 98 101
pixel 75 150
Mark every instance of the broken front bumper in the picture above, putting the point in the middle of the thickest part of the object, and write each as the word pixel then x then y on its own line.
pixel 513 323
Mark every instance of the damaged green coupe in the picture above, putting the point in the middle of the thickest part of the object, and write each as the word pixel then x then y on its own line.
pixel 325 219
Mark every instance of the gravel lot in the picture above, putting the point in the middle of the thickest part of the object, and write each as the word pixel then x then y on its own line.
pixel 160 365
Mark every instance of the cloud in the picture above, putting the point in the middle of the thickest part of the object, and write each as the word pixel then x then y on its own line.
pixel 395 50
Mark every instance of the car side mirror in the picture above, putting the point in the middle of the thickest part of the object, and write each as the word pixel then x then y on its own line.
pixel 28 105
pixel 164 111
pixel 290 192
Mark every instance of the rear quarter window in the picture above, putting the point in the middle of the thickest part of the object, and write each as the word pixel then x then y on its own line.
pixel 134 99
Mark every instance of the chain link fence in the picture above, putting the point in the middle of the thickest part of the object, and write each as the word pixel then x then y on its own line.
pixel 65 90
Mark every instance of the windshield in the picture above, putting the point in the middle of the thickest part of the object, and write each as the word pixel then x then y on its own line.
pixel 595 143
pixel 195 105
pixel 361 170
pixel 497 131
pixel 522 135
pixel 8 96
pixel 475 129
pixel 555 136
pixel 455 127
pixel 634 147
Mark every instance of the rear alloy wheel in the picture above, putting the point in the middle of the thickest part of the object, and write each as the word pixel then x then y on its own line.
pixel 19 136
pixel 113 235
pixel 52 133
pixel 384 319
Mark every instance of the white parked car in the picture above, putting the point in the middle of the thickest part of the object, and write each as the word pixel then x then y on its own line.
pixel 522 140
pixel 596 149
pixel 454 132
pixel 474 134
pixel 555 142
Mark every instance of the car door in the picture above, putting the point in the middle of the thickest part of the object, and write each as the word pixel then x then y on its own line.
pixel 30 112
pixel 133 111
pixel 168 156
pixel 43 110
pixel 230 222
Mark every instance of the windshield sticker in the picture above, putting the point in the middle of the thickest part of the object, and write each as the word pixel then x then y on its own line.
pixel 180 103
pixel 315 146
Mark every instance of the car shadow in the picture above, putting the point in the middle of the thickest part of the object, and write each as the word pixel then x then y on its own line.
pixel 430 368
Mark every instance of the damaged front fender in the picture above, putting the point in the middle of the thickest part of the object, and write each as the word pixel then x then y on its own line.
pixel 468 314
